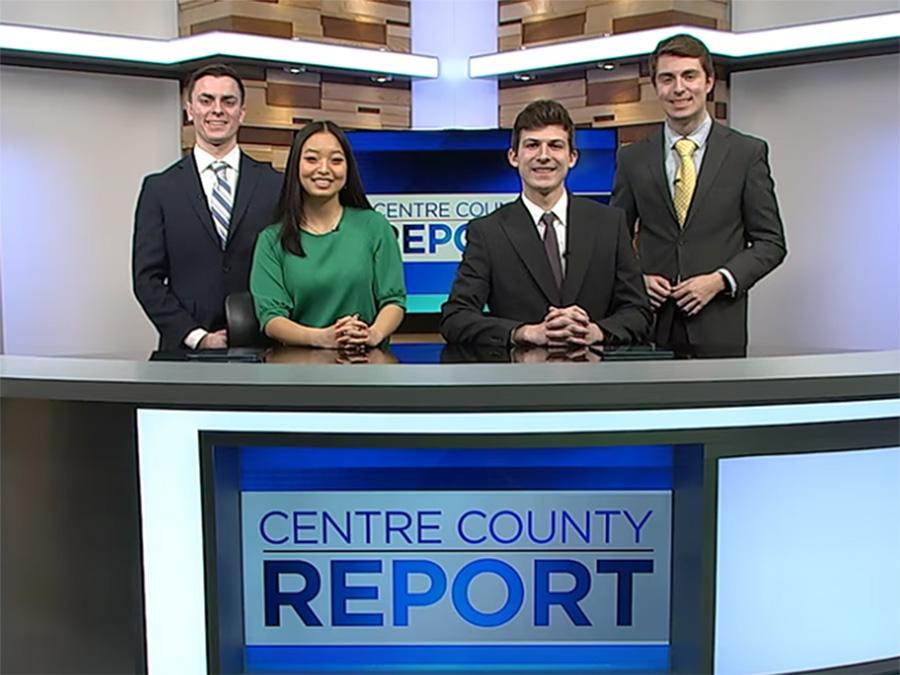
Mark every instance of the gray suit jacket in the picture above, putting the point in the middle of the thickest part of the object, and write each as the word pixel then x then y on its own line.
pixel 733 222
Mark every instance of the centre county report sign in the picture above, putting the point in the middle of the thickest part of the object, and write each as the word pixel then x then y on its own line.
pixel 456 567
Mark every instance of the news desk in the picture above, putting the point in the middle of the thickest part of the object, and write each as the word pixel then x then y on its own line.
pixel 779 478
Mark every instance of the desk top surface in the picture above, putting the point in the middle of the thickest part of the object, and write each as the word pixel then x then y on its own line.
pixel 300 380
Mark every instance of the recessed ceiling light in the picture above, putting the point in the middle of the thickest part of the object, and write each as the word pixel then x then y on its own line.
pixel 523 77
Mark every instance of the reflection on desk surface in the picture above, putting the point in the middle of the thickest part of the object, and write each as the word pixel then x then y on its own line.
pixel 328 357
pixel 419 353
pixel 411 353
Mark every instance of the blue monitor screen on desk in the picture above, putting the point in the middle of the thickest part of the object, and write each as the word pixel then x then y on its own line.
pixel 430 184
pixel 546 559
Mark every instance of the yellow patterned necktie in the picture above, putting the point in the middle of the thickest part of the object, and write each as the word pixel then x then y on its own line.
pixel 685 177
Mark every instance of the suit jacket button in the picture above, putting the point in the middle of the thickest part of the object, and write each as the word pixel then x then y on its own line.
pixel 226 268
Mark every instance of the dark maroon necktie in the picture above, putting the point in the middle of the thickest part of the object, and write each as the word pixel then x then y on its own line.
pixel 551 247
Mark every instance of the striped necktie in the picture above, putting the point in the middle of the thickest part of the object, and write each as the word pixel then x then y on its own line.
pixel 222 201
pixel 685 177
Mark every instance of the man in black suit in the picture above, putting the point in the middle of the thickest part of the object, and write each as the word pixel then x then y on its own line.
pixel 553 269
pixel 701 200
pixel 196 222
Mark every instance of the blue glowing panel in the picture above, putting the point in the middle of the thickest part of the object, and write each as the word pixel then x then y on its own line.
pixel 808 558
pixel 321 469
pixel 456 161
pixel 430 184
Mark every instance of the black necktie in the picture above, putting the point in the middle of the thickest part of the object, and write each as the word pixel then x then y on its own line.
pixel 551 247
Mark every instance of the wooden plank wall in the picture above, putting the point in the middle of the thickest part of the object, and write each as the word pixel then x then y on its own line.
pixel 622 97
pixel 279 100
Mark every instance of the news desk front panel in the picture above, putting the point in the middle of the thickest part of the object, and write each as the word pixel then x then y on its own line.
pixel 230 476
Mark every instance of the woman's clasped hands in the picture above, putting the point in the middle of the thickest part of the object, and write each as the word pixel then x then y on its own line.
pixel 350 333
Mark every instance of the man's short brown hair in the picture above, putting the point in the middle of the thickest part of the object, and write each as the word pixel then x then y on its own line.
pixel 682 45
pixel 214 70
pixel 540 114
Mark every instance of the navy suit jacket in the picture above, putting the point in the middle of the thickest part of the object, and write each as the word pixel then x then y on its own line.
pixel 504 266
pixel 181 274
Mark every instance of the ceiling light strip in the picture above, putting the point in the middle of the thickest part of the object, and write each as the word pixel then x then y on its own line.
pixel 724 43
pixel 48 41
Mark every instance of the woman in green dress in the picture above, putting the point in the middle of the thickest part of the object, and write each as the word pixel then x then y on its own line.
pixel 328 273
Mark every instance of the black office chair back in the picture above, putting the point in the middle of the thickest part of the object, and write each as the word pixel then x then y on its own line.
pixel 243 327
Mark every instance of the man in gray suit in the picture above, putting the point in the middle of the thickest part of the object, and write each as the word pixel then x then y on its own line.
pixel 700 199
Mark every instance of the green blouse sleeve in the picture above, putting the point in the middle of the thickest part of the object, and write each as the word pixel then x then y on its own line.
pixel 270 297
pixel 389 286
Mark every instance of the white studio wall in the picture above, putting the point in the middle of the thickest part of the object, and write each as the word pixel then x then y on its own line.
pixel 74 149
pixel 454 31
pixel 835 153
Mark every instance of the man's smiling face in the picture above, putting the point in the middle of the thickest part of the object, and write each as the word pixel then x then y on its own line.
pixel 216 110
pixel 543 158
pixel 682 86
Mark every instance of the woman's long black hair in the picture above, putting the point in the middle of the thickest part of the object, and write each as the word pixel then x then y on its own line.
pixel 290 204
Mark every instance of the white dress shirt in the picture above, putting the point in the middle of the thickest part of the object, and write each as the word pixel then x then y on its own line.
pixel 205 161
pixel 208 179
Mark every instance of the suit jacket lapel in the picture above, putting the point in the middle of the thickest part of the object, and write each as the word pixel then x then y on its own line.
pixel 525 241
pixel 716 150
pixel 580 236
pixel 247 179
pixel 656 160
pixel 196 196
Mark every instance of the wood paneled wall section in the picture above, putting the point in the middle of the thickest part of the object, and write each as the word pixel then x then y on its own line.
pixel 279 101
pixel 622 97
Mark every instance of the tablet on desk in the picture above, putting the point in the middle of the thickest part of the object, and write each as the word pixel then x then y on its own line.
pixel 229 355
pixel 634 353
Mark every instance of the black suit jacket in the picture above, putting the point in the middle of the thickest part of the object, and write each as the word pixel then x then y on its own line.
pixel 504 266
pixel 181 274
pixel 733 222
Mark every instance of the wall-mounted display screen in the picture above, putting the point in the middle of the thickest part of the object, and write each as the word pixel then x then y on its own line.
pixel 430 184
pixel 359 556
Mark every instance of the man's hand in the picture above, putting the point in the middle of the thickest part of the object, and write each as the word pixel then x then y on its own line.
pixel 694 294
pixel 571 327
pixel 215 340
pixel 561 327
pixel 658 289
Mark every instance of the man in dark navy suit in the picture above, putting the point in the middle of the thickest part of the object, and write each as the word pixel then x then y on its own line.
pixel 196 222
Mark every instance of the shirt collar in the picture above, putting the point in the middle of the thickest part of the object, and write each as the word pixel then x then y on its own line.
pixel 700 135
pixel 560 209
pixel 204 159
